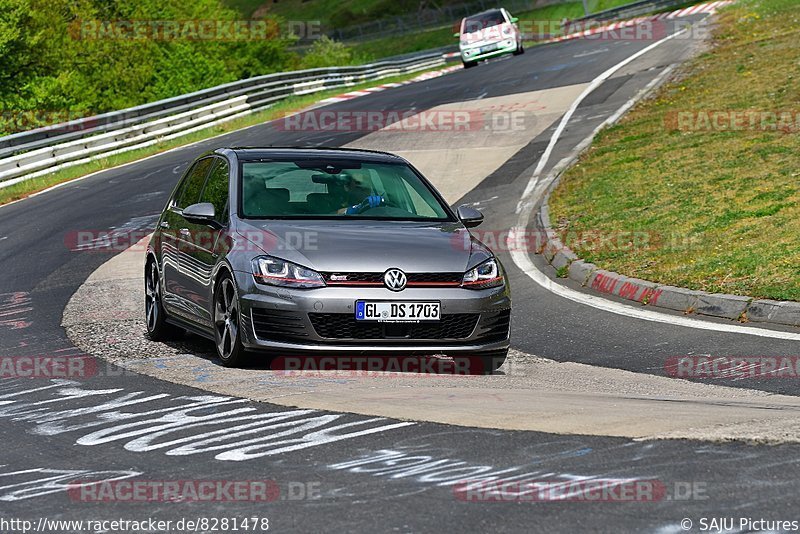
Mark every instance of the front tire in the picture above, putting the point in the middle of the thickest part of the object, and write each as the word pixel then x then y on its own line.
pixel 469 64
pixel 227 323
pixel 492 362
pixel 158 329
pixel 520 50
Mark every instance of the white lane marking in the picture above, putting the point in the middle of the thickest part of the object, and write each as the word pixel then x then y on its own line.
pixel 481 202
pixel 591 52
pixel 534 192
pixel 421 466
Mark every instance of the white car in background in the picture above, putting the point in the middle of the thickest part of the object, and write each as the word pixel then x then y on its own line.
pixel 487 34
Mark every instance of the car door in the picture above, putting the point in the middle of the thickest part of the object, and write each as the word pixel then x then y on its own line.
pixel 177 294
pixel 200 254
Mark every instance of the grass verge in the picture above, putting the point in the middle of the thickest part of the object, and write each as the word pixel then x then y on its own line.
pixel 710 206
pixel 291 104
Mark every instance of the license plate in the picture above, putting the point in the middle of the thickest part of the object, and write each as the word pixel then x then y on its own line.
pixel 397 312
pixel 488 48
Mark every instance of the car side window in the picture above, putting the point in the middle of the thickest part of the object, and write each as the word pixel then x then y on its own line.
pixel 193 184
pixel 216 189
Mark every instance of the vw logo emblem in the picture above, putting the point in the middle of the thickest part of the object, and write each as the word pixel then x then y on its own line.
pixel 395 279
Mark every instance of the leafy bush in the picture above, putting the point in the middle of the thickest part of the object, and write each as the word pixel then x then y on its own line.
pixel 48 64
pixel 326 52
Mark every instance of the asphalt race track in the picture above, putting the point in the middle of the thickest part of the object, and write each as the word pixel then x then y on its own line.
pixel 368 473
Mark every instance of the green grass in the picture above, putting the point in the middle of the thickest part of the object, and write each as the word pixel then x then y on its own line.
pixel 291 104
pixel 394 46
pixel 307 9
pixel 721 208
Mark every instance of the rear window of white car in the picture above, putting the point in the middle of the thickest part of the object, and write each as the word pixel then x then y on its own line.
pixel 482 21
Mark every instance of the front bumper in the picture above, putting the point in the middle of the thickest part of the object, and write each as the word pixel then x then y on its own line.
pixel 473 53
pixel 286 321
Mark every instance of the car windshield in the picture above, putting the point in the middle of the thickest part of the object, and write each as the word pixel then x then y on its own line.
pixel 484 20
pixel 337 190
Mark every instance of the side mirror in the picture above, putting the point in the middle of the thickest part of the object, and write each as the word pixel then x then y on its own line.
pixel 469 216
pixel 514 20
pixel 202 213
pixel 457 35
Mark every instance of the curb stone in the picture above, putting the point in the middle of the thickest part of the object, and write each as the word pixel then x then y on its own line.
pixel 677 299
pixel 563 258
pixel 773 311
pixel 580 271
pixel 718 305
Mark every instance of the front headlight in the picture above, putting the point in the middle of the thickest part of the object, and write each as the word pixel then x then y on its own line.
pixel 277 272
pixel 484 276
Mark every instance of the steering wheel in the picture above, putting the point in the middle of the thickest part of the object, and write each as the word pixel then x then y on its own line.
pixel 370 203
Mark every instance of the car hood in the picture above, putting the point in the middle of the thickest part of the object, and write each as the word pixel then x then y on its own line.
pixel 368 246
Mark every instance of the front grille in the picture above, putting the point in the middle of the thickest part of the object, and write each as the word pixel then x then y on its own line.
pixel 376 279
pixel 276 325
pixel 345 326
pixel 435 277
pixel 494 326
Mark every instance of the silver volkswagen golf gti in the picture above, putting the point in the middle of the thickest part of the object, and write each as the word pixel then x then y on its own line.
pixel 289 251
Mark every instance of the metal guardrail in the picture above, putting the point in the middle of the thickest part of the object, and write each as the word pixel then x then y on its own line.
pixel 32 153
pixel 634 9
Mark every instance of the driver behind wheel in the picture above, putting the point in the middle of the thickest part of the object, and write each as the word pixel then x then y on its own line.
pixel 359 194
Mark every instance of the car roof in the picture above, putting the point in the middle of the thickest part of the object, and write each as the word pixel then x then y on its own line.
pixel 492 10
pixel 376 156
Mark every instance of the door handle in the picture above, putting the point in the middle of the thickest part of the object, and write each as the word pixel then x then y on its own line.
pixel 184 231
pixel 164 224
